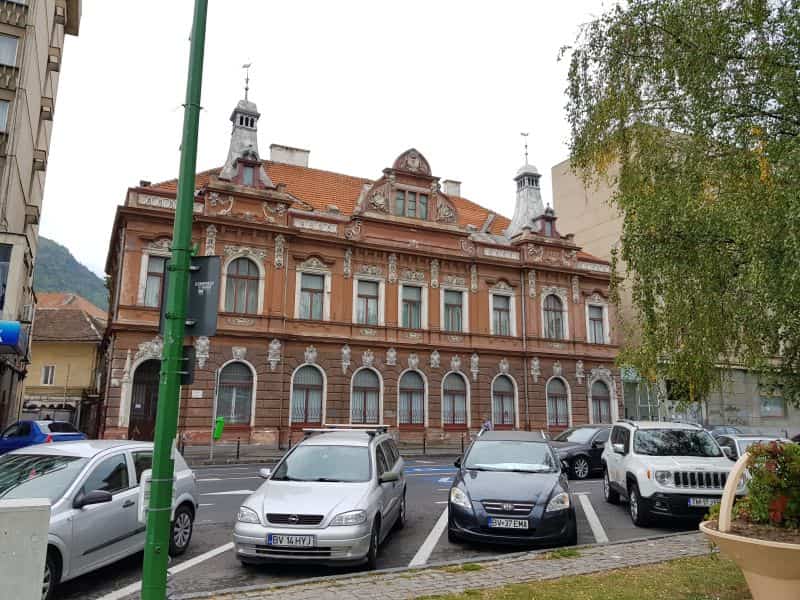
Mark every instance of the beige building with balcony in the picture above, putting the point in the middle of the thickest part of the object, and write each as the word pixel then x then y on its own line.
pixel 32 36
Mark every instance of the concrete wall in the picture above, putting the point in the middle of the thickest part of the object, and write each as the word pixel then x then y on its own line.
pixel 23 547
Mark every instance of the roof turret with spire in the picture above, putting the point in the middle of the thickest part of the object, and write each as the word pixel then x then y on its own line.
pixel 529 197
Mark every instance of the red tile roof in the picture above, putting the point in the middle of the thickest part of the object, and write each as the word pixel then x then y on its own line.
pixel 66 325
pixel 68 300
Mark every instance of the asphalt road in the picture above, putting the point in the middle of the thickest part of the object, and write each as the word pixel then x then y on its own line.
pixel 223 488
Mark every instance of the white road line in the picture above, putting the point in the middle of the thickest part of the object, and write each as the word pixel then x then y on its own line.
pixel 424 552
pixel 135 587
pixel 230 493
pixel 441 502
pixel 445 480
pixel 594 522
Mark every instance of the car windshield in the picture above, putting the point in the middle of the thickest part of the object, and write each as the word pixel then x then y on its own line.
pixel 325 463
pixel 37 476
pixel 581 435
pixel 675 442
pixel 497 455
pixel 56 427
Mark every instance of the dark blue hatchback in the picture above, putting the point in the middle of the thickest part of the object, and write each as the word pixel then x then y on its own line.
pixel 28 433
pixel 510 489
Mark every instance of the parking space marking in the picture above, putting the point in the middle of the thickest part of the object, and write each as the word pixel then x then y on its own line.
pixel 594 522
pixel 441 502
pixel 135 587
pixel 425 551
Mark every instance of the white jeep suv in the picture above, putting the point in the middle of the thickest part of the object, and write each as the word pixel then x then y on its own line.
pixel 663 469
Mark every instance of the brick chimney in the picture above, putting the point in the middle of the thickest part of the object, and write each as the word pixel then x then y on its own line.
pixel 452 187
pixel 288 155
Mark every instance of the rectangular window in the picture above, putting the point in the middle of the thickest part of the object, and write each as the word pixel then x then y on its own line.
pixel 400 203
pixel 367 308
pixel 4 104
pixel 412 307
pixel 596 333
pixel 422 207
pixel 247 176
pixel 5 264
pixel 453 310
pixel 156 266
pixel 501 315
pixel 8 50
pixel 772 406
pixel 48 374
pixel 411 204
pixel 312 291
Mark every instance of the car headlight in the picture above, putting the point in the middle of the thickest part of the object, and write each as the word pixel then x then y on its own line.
pixel 558 502
pixel 663 477
pixel 247 515
pixel 353 517
pixel 459 498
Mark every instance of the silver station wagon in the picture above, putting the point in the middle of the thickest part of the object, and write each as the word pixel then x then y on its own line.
pixel 332 499
pixel 93 488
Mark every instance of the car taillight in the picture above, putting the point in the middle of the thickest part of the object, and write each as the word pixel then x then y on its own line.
pixel 49 439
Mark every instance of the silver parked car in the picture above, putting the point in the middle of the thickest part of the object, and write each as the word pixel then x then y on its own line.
pixel 332 499
pixel 93 488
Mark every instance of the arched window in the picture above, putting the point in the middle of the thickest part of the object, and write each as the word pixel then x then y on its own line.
pixel 454 401
pixel 412 399
pixel 365 399
pixel 503 401
pixel 235 394
pixel 557 403
pixel 307 396
pixel 241 287
pixel 601 403
pixel 553 317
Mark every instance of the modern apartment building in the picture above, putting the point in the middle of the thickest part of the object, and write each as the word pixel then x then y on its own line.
pixel 32 36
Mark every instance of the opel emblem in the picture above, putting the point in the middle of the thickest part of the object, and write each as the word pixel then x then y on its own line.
pixel 508 507
pixel 293 519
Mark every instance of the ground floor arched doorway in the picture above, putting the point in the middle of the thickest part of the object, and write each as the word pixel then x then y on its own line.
pixel 144 401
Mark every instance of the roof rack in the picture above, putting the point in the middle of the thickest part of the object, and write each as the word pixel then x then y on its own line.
pixel 370 430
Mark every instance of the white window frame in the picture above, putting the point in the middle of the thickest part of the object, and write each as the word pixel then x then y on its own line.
pixel 52 371
pixel 612 397
pixel 512 308
pixel 468 399
pixel 516 397
pixel 423 309
pixel 380 394
pixel 597 301
pixel 561 294
pixel 254 394
pixel 16 49
pixel 324 390
pixel 464 309
pixel 262 274
pixel 144 267
pixel 569 401
pixel 326 297
pixel 381 299
pixel 424 400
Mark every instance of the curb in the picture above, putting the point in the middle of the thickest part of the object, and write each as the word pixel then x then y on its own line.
pixel 370 574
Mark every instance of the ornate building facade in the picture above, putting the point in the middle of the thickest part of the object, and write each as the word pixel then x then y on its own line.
pixel 348 300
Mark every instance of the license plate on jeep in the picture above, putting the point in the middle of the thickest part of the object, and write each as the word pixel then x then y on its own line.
pixel 276 539
pixel 496 523
pixel 703 502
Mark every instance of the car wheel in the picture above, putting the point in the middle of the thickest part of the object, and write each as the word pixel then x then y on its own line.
pixel 580 467
pixel 182 526
pixel 572 534
pixel 400 523
pixel 638 512
pixel 374 541
pixel 51 576
pixel 610 495
pixel 452 537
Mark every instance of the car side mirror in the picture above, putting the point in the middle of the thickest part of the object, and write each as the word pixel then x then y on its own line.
pixel 95 497
pixel 598 444
pixel 389 477
pixel 264 473
pixel 564 466
pixel 457 462
pixel 618 448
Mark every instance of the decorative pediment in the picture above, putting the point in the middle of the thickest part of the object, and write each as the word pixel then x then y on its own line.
pixel 313 263
pixel 412 161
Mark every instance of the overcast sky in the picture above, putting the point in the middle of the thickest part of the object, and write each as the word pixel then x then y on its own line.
pixel 355 82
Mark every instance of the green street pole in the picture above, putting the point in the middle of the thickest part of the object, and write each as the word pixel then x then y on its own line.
pixel 156 551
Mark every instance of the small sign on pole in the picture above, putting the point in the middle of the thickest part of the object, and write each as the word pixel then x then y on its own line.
pixel 144 495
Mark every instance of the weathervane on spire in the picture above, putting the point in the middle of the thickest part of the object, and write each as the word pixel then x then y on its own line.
pixel 525 135
pixel 246 79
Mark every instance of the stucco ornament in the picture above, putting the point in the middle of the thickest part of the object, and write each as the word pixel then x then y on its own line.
pixel 151 349
pixel 467 247
pixel 444 212
pixel 239 352
pixel 532 283
pixel 346 354
pixel 392 268
pixel 280 250
pixel 348 262
pixel 391 357
pixel 413 361
pixel 310 355
pixel 368 358
pixel 569 257
pixel 474 366
pixel 256 253
pixel 576 289
pixel 435 359
pixel 274 354
pixel 536 252
pixel 473 278
pixel 434 273
pixel 126 372
pixel 211 240
pixel 536 369
pixel 503 366
pixel 557 368
pixel 201 350
pixel 455 363
pixel 579 374
pixel 353 232
pixel 378 201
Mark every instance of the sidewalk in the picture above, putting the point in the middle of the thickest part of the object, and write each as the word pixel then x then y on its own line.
pixel 436 580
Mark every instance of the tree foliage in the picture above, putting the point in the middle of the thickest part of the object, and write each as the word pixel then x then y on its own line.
pixel 697 102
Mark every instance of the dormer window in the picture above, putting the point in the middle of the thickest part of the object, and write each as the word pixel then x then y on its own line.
pixel 248 176
pixel 411 204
